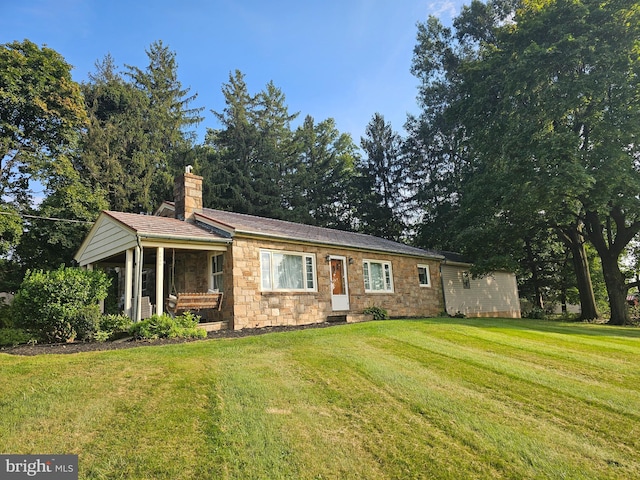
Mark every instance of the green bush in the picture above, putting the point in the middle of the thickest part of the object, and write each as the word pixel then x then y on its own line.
pixel 164 326
pixel 86 322
pixel 14 336
pixel 377 312
pixel 112 327
pixel 536 313
pixel 6 315
pixel 57 306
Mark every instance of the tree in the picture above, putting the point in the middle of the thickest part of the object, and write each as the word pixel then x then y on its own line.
pixel 548 97
pixel 115 153
pixel 10 229
pixel 254 150
pixel 440 162
pixel 320 191
pixel 41 115
pixel 61 222
pixel 138 137
pixel 167 118
pixel 382 182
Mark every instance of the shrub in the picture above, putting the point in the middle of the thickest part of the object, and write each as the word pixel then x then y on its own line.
pixel 536 313
pixel 57 305
pixel 377 312
pixel 164 326
pixel 14 336
pixel 86 322
pixel 6 315
pixel 112 326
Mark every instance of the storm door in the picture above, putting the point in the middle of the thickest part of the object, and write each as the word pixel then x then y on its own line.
pixel 339 285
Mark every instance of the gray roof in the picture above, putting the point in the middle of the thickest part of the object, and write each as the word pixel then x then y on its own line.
pixel 162 226
pixel 250 224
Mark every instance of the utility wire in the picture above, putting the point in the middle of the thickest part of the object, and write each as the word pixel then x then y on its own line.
pixel 68 220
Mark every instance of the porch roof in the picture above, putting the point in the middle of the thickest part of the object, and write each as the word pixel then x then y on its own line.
pixel 153 226
pixel 115 232
pixel 238 223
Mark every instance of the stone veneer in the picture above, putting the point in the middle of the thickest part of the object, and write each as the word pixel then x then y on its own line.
pixel 253 308
pixel 187 193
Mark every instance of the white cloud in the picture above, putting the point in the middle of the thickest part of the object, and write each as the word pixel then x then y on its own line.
pixel 441 9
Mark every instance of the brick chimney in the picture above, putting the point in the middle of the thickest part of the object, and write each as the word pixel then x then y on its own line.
pixel 187 194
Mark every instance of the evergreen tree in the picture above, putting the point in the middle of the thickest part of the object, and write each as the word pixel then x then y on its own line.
pixel 168 118
pixel 381 182
pixel 253 149
pixel 115 153
pixel 320 192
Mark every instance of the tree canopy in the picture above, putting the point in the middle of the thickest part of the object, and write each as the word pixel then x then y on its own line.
pixel 535 106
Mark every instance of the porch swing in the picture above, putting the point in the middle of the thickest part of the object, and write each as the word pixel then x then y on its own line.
pixel 194 302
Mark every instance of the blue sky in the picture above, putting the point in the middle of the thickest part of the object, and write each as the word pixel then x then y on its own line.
pixel 345 59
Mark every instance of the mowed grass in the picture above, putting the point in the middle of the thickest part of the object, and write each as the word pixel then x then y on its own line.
pixel 434 398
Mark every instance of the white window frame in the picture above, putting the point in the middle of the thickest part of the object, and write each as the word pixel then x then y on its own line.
pixel 308 266
pixel 427 274
pixel 216 274
pixel 387 270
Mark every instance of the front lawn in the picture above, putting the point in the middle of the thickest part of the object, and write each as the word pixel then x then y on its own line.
pixel 435 398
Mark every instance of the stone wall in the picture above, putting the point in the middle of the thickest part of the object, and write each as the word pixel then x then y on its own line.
pixel 253 308
pixel 192 276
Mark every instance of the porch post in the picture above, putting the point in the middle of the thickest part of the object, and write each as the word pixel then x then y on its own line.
pixel 159 280
pixel 137 299
pixel 128 282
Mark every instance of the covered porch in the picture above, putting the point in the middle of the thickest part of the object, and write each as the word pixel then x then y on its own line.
pixel 148 261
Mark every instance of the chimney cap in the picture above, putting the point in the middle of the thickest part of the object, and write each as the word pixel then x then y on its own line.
pixel 188 169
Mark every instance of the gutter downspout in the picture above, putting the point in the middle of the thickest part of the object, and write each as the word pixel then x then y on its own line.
pixel 444 294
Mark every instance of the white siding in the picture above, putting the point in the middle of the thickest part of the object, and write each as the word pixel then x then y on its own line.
pixel 107 238
pixel 495 295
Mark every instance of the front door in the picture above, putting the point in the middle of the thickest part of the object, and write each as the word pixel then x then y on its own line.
pixel 339 286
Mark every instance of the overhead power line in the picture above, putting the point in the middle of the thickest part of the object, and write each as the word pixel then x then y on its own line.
pixel 68 220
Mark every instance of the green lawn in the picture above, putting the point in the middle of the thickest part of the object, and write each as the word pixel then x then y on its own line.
pixel 436 398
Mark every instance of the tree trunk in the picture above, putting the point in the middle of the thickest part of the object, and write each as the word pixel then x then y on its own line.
pixel 617 290
pixel 572 238
pixel 537 291
pixel 609 250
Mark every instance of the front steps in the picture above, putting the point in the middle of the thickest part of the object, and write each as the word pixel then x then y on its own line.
pixel 350 318
pixel 213 326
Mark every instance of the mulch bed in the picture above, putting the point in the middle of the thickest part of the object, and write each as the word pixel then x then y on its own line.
pixel 76 347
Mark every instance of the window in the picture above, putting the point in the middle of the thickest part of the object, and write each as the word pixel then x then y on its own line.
pixel 287 271
pixel 217 262
pixel 466 280
pixel 423 276
pixel 377 276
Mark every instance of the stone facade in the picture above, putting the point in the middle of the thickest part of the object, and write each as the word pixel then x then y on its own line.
pixel 253 308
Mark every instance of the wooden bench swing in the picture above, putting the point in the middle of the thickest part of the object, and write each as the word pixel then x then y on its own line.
pixel 194 302
pixel 178 303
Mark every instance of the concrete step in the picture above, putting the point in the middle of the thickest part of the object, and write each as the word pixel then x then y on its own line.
pixel 350 318
pixel 359 317
pixel 214 326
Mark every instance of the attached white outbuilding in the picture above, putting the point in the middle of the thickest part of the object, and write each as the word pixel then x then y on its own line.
pixel 492 295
